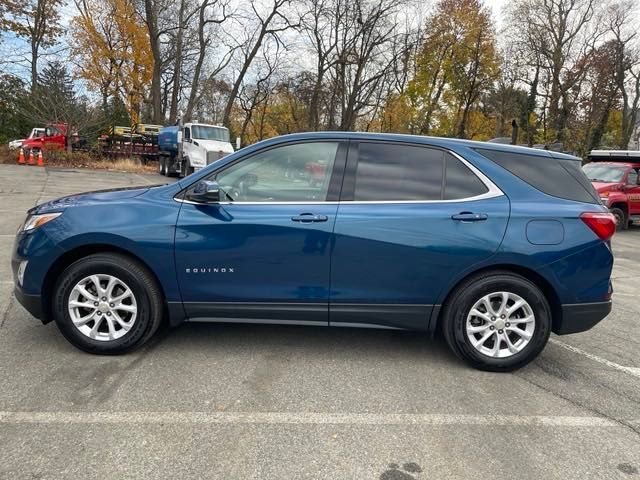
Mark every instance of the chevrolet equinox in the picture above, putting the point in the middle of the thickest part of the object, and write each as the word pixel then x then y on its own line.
pixel 494 245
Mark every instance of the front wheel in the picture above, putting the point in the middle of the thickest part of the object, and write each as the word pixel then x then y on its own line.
pixel 621 219
pixel 497 321
pixel 162 166
pixel 107 304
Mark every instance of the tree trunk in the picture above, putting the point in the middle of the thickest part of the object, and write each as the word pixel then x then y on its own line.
pixel 177 69
pixel 151 19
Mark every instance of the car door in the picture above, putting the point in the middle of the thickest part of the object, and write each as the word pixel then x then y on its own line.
pixel 633 191
pixel 410 218
pixel 264 253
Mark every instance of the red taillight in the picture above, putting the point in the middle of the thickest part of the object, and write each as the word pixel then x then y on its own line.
pixel 603 224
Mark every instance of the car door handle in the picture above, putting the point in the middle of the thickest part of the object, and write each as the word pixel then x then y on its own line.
pixel 470 217
pixel 309 217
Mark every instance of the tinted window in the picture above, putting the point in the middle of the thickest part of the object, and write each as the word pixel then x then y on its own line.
pixel 291 173
pixel 398 172
pixel 460 181
pixel 560 178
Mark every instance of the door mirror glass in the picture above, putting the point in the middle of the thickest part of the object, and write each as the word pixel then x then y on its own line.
pixel 205 191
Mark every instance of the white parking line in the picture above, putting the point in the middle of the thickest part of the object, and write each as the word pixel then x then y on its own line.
pixel 630 370
pixel 297 418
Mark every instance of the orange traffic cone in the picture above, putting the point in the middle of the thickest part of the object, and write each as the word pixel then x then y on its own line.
pixel 21 158
pixel 31 160
pixel 40 159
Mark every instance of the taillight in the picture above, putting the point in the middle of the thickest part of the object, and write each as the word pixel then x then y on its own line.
pixel 603 224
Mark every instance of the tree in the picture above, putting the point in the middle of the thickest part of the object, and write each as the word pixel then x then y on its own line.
pixel 112 53
pixel 269 25
pixel 556 34
pixel 37 21
pixel 13 125
pixel 54 102
pixel 456 65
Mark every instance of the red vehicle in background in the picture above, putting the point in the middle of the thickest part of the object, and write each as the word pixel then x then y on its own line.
pixel 54 138
pixel 615 174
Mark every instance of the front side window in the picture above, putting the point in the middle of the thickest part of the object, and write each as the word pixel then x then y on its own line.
pixel 292 173
pixel 632 179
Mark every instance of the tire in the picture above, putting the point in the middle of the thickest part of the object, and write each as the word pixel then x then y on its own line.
pixel 457 319
pixel 145 298
pixel 621 219
pixel 162 167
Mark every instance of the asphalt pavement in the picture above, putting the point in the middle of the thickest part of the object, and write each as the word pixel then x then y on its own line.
pixel 280 402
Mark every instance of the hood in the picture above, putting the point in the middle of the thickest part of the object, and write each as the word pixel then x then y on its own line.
pixel 215 146
pixel 98 196
pixel 605 186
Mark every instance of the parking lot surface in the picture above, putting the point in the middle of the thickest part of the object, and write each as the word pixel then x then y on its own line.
pixel 258 402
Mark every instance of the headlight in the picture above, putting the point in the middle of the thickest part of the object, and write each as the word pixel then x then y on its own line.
pixel 35 221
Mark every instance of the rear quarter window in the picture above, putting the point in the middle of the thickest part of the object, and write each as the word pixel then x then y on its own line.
pixel 559 178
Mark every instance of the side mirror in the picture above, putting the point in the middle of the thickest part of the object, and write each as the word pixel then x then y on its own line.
pixel 205 191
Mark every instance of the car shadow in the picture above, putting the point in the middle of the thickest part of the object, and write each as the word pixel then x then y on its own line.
pixel 316 341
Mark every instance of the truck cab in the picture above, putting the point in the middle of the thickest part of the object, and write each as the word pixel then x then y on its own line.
pixel 192 146
pixel 615 174
pixel 36 132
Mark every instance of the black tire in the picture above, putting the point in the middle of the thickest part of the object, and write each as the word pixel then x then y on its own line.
pixel 144 287
pixel 460 302
pixel 622 223
pixel 162 166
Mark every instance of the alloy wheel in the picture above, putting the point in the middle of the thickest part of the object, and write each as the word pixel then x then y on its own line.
pixel 500 324
pixel 102 307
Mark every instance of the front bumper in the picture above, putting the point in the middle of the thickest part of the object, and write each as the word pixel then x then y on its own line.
pixel 33 303
pixel 580 317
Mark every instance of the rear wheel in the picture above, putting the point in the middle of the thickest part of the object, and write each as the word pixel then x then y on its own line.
pixel 497 321
pixel 107 304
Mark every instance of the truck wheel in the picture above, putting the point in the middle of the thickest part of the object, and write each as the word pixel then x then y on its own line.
pixel 162 166
pixel 497 321
pixel 107 303
pixel 621 219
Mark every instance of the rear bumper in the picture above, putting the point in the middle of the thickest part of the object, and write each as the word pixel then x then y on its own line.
pixel 580 317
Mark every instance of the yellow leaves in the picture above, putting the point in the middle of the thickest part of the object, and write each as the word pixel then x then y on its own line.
pixel 112 50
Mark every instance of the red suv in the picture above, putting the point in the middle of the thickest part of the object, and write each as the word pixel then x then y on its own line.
pixel 616 175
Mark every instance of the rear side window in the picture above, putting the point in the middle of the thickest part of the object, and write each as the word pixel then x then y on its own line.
pixel 560 178
pixel 389 172
pixel 460 182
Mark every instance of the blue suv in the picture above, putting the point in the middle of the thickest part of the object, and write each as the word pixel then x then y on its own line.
pixel 495 246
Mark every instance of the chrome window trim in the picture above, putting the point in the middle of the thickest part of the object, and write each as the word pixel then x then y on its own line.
pixel 493 192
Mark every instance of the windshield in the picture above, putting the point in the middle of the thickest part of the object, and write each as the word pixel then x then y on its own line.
pixel 604 173
pixel 203 132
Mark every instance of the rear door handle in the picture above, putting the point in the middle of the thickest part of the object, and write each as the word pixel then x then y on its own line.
pixel 309 217
pixel 470 217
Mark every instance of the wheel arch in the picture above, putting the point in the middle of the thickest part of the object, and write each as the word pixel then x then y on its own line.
pixel 67 258
pixel 538 280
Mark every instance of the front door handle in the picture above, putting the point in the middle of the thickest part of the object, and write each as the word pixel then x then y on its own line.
pixel 309 217
pixel 470 217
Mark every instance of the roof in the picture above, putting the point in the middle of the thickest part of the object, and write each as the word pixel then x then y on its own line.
pixel 421 139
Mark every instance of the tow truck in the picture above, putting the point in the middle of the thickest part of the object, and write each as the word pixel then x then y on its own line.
pixel 615 174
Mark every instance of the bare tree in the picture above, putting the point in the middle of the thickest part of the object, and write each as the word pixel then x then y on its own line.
pixel 210 12
pixel 271 24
